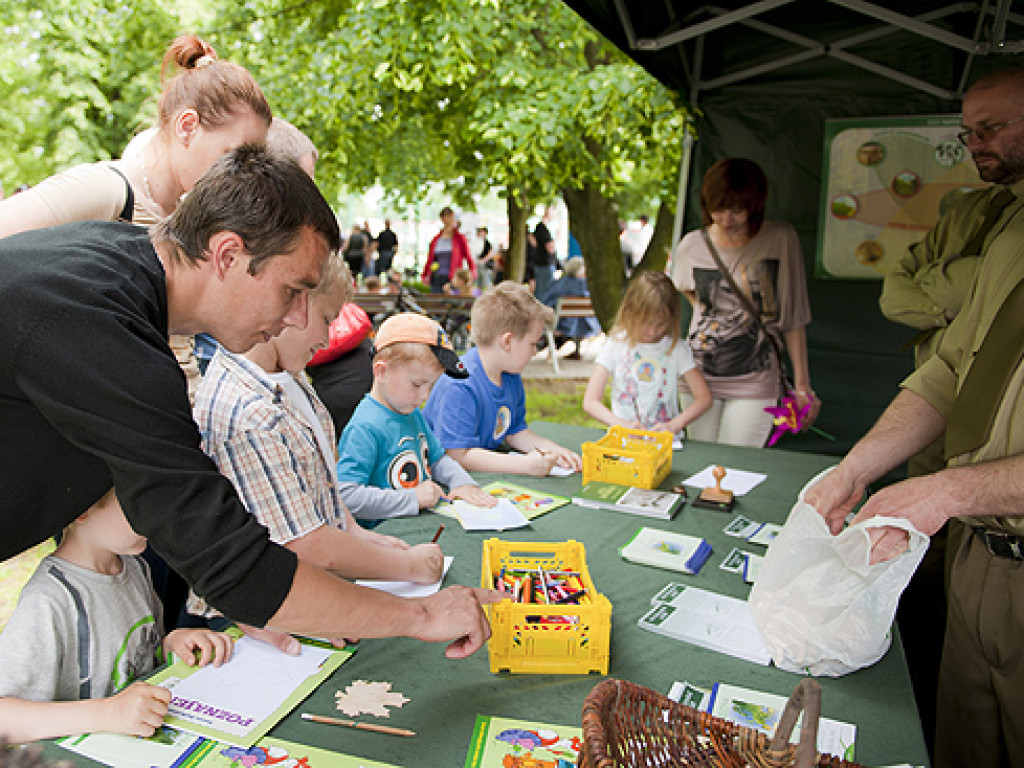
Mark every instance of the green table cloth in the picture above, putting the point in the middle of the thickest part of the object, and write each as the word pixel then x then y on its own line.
pixel 446 696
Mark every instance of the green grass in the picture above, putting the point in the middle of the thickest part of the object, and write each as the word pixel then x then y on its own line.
pixel 558 400
pixel 13 575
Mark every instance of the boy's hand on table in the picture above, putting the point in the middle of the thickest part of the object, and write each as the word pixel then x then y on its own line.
pixel 539 462
pixel 211 647
pixel 568 459
pixel 137 710
pixel 426 563
pixel 454 616
pixel 473 494
pixel 427 494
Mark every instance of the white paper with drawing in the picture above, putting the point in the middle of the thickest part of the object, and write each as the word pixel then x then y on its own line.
pixel 239 695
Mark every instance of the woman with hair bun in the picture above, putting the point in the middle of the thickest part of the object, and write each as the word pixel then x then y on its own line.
pixel 737 352
pixel 206 107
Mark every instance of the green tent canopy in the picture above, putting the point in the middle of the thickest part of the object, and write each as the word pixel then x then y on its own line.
pixel 763 77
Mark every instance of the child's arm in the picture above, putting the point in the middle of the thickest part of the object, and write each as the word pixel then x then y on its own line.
pixel 354 557
pixel 528 440
pixel 701 401
pixel 138 710
pixel 378 503
pixel 212 647
pixel 483 460
pixel 593 401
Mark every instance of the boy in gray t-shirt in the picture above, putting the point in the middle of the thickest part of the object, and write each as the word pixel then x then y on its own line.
pixel 86 626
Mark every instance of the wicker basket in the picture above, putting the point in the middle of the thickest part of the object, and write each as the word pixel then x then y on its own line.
pixel 629 726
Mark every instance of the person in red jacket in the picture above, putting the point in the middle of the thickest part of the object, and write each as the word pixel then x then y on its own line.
pixel 448 252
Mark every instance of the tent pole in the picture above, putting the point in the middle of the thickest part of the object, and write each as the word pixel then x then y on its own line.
pixel 684 180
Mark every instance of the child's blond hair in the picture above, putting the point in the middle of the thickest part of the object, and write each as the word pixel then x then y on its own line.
pixel 334 278
pixel 507 308
pixel 650 299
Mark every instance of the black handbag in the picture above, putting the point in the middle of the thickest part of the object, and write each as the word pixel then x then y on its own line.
pixel 786 386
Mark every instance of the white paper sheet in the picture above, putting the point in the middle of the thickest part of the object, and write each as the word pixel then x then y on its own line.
pixel 501 517
pixel 408 588
pixel 239 695
pixel 738 481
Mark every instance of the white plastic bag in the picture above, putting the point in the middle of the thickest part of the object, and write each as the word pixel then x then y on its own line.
pixel 820 607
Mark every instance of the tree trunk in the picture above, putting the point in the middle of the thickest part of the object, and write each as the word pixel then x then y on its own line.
pixel 516 256
pixel 594 220
pixel 657 254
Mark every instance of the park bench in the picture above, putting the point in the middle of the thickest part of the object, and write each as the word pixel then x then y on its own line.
pixel 566 307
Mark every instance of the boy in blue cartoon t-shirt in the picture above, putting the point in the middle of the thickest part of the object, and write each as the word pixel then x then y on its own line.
pixel 474 417
pixel 389 458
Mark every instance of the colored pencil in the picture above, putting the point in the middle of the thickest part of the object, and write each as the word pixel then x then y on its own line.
pixel 362 726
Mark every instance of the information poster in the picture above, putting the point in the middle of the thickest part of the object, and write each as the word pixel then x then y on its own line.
pixel 885 182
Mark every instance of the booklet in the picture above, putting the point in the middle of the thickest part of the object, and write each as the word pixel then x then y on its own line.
pixel 530 502
pixel 762 711
pixel 707 619
pixel 170 748
pixel 499 742
pixel 667 549
pixel 501 517
pixel 239 701
pixel 625 498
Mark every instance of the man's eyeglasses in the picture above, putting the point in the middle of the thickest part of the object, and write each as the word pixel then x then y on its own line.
pixel 986 132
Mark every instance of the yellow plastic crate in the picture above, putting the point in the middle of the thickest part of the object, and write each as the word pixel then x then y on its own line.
pixel 537 638
pixel 623 456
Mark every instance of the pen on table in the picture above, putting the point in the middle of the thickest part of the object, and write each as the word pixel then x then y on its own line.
pixel 362 726
pixel 438 534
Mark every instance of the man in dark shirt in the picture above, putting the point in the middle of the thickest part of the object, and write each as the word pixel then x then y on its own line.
pixel 387 244
pixel 91 394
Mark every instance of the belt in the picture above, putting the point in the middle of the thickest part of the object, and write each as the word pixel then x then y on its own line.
pixel 1002 544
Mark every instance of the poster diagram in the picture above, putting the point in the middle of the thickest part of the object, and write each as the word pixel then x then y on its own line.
pixel 885 183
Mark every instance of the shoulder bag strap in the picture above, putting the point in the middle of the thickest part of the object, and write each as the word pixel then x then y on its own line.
pixel 747 304
pixel 128 212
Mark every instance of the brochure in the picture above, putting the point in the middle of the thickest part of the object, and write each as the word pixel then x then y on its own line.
pixel 499 742
pixel 530 502
pixel 666 549
pixel 762 711
pixel 239 701
pixel 170 748
pixel 707 619
pixel 624 498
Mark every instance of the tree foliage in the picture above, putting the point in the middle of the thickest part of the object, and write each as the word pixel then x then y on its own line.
pixel 516 94
pixel 76 80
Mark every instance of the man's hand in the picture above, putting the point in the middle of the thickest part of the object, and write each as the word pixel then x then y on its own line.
pixel 284 642
pixel 454 616
pixel 834 497
pixel 925 501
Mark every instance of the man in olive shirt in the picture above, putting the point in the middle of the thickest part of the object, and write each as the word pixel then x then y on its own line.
pixel 980 719
pixel 91 395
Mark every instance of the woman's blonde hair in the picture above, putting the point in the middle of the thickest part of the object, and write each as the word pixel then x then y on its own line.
pixel 192 77
pixel 651 299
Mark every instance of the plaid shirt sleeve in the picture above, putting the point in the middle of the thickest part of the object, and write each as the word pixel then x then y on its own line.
pixel 273 481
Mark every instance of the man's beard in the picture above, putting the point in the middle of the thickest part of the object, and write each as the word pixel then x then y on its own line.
pixel 1009 169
